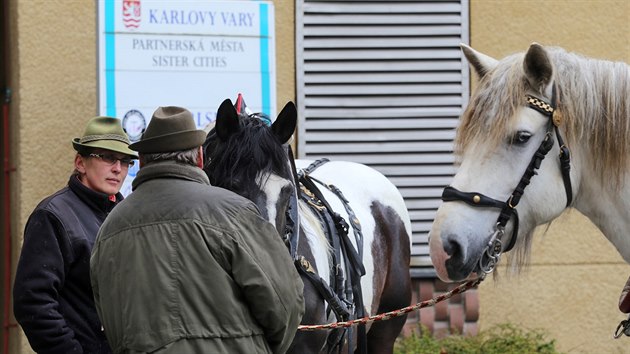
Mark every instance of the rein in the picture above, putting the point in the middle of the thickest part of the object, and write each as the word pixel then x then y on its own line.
pixel 492 254
pixel 396 313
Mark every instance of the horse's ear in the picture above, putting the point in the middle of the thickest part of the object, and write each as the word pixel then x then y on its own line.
pixel 209 127
pixel 227 120
pixel 284 125
pixel 538 67
pixel 479 61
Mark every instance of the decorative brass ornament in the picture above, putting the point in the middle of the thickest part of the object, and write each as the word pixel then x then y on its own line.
pixel 476 199
pixel 306 265
pixel 540 104
pixel 314 202
pixel 557 118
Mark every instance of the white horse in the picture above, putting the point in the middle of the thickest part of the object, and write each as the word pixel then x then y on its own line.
pixel 528 104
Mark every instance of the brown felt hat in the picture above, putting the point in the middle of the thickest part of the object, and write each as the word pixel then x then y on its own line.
pixel 170 129
pixel 103 133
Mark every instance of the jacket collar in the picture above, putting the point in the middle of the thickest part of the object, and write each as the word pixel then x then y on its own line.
pixel 169 169
pixel 95 200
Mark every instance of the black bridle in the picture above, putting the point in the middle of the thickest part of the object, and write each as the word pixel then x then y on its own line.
pixel 490 257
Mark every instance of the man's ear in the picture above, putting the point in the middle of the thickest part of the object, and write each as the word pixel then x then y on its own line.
pixel 79 163
pixel 200 157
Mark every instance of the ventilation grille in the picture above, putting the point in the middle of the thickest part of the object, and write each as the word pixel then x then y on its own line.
pixel 383 83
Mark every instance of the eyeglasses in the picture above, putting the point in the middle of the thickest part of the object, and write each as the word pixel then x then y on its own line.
pixel 111 159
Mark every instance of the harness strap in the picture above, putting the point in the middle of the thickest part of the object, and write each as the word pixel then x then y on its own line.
pixel 555 116
pixel 451 194
pixel 313 166
pixel 341 311
pixel 341 225
pixel 565 167
pixel 354 221
pixel 334 238
pixel 338 306
pixel 292 226
pixel 336 274
pixel 332 294
pixel 335 340
pixel 533 165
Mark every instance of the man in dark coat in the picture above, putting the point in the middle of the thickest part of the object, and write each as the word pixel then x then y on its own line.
pixel 52 294
pixel 182 267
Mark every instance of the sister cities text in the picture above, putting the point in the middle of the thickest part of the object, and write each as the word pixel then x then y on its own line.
pixel 188 45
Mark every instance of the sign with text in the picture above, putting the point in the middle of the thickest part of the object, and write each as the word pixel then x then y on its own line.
pixel 189 53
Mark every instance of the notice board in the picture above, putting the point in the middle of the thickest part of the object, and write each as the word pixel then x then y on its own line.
pixel 189 53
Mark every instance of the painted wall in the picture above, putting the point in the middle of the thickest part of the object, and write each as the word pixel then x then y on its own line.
pixel 54 82
pixel 572 287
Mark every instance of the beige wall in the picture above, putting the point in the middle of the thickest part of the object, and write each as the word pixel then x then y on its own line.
pixel 572 287
pixel 53 73
pixel 54 85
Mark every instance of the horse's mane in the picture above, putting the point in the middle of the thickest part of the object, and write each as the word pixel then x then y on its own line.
pixel 251 152
pixel 593 97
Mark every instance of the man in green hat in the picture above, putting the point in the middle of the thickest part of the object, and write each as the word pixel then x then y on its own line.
pixel 183 267
pixel 52 295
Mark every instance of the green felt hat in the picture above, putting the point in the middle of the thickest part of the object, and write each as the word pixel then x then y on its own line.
pixel 170 129
pixel 104 133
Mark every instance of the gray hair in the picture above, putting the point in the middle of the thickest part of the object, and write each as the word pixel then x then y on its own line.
pixel 188 157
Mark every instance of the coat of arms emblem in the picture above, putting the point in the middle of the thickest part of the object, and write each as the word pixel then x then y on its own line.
pixel 131 13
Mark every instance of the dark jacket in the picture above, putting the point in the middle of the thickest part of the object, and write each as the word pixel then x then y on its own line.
pixel 183 267
pixel 52 295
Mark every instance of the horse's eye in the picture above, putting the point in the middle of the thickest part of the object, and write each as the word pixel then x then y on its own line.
pixel 521 137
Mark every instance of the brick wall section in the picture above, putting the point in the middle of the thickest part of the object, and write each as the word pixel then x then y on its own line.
pixel 457 315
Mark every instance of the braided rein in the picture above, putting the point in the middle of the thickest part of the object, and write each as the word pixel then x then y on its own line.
pixel 396 313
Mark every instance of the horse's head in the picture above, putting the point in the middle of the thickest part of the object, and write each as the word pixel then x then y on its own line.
pixel 246 155
pixel 504 128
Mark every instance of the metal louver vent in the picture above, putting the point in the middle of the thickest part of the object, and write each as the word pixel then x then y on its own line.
pixel 383 83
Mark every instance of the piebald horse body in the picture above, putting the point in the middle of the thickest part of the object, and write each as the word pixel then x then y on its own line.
pixel 500 132
pixel 249 157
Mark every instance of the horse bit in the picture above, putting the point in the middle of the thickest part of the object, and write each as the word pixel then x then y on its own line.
pixel 492 253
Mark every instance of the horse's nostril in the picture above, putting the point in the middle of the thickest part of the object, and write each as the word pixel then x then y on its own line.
pixel 458 265
pixel 452 247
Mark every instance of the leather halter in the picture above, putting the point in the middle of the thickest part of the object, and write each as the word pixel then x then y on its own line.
pixel 508 208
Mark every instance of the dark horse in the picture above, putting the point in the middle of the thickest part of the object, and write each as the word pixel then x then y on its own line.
pixel 251 157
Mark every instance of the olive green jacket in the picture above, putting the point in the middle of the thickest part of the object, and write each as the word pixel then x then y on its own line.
pixel 183 267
